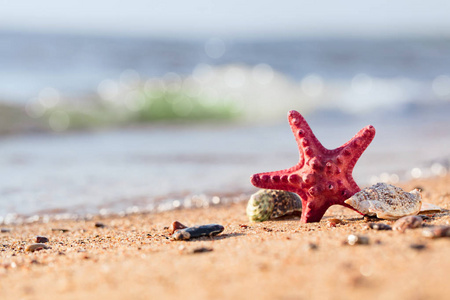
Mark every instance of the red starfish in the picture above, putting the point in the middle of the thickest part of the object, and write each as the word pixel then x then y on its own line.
pixel 322 177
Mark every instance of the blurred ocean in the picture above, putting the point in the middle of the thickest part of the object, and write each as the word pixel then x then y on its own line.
pixel 112 124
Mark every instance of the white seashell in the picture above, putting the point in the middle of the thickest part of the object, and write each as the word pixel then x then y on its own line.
pixel 386 201
pixel 271 204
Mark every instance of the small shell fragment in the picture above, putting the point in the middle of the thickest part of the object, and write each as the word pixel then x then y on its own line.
pixel 272 204
pixel 429 208
pixel 36 247
pixel 197 231
pixel 379 226
pixel 408 222
pixel 436 232
pixel 333 222
pixel 176 226
pixel 354 239
pixel 386 201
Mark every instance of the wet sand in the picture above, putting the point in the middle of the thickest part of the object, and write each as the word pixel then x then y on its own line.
pixel 133 257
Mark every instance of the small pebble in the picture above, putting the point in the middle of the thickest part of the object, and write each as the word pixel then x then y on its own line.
pixel 36 247
pixel 335 222
pixel 202 250
pixel 368 218
pixel 418 187
pixel 417 246
pixel 354 239
pixel 41 239
pixel 4 230
pixel 436 232
pixel 60 229
pixel 176 226
pixel 311 247
pixel 197 231
pixel 408 222
pixel 379 226
pixel 99 225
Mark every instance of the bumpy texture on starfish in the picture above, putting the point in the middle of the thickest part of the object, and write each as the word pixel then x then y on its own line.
pixel 322 177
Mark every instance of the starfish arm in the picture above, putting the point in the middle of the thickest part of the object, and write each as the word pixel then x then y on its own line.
pixel 306 140
pixel 286 180
pixel 313 211
pixel 348 154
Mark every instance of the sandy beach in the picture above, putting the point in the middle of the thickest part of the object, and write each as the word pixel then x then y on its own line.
pixel 133 257
pixel 110 132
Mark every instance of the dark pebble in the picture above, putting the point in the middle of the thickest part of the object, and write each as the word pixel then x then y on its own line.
pixel 41 239
pixel 311 247
pixel 368 218
pixel 379 226
pixel 99 225
pixel 197 231
pixel 202 250
pixel 60 229
pixel 4 230
pixel 417 246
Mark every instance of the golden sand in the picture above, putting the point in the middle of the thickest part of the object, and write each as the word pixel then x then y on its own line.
pixel 133 257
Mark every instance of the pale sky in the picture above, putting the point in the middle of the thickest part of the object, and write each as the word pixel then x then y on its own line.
pixel 186 18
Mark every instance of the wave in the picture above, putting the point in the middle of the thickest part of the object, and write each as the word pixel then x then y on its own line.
pixel 228 93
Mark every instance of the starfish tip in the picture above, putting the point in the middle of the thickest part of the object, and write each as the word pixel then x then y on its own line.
pixel 369 131
pixel 260 180
pixel 254 179
pixel 293 112
pixel 294 117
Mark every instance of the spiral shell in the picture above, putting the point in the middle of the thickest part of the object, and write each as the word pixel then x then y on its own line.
pixel 386 201
pixel 271 204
